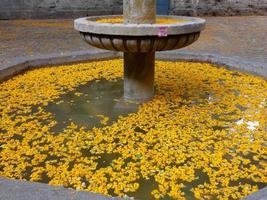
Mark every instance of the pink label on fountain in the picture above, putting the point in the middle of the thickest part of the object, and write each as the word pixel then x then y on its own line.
pixel 163 32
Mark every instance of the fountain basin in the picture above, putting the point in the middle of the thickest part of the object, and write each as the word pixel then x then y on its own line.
pixel 140 38
pixel 189 130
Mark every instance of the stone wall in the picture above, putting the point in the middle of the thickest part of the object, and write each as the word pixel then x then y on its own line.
pixel 218 7
pixel 29 9
pixel 25 9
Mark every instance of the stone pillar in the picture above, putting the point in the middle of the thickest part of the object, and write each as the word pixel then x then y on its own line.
pixel 139 68
pixel 139 73
pixel 139 11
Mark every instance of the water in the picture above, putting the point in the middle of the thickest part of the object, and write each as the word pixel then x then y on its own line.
pixel 100 103
pixel 89 103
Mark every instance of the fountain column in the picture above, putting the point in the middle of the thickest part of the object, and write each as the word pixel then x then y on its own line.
pixel 139 68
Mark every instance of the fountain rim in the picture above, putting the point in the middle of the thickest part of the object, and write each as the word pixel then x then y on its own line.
pixel 90 25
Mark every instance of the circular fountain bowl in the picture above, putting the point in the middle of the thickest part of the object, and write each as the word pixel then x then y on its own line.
pixel 140 38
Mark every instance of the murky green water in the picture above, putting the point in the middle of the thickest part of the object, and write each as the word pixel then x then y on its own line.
pixel 205 129
pixel 84 105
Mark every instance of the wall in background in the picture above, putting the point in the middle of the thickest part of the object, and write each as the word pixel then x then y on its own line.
pixel 31 9
pixel 218 7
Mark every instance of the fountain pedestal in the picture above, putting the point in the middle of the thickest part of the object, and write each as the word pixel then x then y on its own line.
pixel 139 68
pixel 139 37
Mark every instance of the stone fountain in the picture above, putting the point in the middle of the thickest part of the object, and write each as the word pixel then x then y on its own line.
pixel 139 37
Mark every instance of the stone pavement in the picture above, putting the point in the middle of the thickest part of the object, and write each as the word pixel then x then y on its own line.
pixel 240 37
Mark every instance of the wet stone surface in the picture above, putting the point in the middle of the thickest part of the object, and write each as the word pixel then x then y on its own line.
pixel 243 37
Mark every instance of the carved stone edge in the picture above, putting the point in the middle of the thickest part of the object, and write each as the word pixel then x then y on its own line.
pixel 89 25
pixel 140 44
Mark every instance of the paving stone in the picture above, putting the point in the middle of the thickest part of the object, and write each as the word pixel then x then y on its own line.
pixel 241 37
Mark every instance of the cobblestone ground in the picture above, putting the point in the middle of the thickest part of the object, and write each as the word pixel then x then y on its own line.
pixel 244 37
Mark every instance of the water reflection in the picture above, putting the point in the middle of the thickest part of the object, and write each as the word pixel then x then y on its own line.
pixel 89 102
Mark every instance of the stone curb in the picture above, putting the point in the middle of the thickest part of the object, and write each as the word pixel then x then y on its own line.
pixel 25 190
pixel 22 64
pixel 260 195
pixel 233 62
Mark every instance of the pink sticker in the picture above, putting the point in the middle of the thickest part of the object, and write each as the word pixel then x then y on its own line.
pixel 163 32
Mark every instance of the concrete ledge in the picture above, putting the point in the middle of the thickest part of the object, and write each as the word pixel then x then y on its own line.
pixel 260 195
pixel 21 64
pixel 232 63
pixel 24 190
